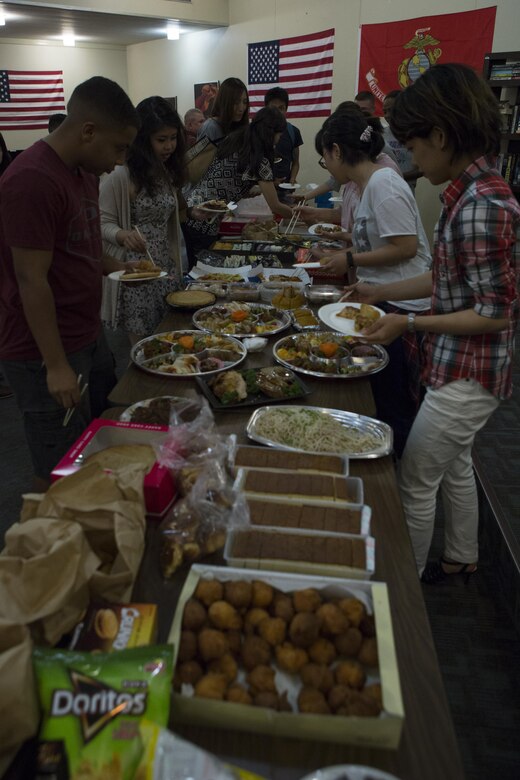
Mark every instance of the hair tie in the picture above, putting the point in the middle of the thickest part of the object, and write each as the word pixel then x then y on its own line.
pixel 366 134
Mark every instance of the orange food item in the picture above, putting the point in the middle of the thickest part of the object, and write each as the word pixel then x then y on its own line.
pixel 329 348
pixel 187 342
pixel 238 315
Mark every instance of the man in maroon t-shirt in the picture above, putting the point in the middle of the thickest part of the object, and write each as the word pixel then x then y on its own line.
pixel 51 265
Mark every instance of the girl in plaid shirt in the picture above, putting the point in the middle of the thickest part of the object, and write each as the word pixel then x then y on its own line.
pixel 449 120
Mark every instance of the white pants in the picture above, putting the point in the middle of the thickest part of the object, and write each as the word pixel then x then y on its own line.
pixel 438 454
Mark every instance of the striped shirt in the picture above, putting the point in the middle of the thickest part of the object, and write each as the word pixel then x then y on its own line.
pixel 475 266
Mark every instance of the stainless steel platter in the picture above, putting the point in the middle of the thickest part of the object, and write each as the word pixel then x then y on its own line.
pixel 255 326
pixel 352 360
pixel 208 355
pixel 380 434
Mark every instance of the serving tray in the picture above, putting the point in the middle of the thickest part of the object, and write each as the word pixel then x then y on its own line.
pixel 282 317
pixel 254 397
pixel 206 345
pixel 351 366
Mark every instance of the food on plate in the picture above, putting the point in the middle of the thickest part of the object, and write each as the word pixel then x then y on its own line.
pixel 216 276
pixel 185 352
pixel 158 411
pixel 121 456
pixel 214 205
pixel 322 651
pixel 241 319
pixel 363 317
pixel 143 269
pixel 277 382
pixel 229 387
pixel 324 230
pixel 310 430
pixel 288 298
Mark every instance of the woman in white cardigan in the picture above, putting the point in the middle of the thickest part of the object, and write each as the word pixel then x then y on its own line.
pixel 140 206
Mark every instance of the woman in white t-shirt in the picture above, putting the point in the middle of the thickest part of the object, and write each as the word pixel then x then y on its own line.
pixel 388 244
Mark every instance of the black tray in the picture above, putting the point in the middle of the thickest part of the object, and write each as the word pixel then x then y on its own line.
pixel 253 399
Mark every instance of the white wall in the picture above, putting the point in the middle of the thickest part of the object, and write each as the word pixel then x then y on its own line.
pixel 172 67
pixel 78 64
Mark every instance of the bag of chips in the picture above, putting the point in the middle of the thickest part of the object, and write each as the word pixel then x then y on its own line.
pixel 92 707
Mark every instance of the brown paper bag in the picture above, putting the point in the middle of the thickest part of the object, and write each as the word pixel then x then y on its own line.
pixel 45 569
pixel 18 703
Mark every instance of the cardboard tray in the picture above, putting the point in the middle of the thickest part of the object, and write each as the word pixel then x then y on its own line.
pixel 382 732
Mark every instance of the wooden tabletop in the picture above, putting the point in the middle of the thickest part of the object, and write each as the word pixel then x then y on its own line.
pixel 428 749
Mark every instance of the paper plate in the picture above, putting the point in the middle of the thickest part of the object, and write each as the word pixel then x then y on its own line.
pixel 312 229
pixel 328 314
pixel 287 186
pixel 119 277
pixel 349 772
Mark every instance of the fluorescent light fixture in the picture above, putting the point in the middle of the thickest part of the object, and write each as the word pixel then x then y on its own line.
pixel 2 19
pixel 173 32
pixel 69 39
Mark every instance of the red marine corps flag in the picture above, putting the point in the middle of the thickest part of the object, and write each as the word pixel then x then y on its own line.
pixel 393 55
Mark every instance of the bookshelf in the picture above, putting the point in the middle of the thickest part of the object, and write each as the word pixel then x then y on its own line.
pixel 502 72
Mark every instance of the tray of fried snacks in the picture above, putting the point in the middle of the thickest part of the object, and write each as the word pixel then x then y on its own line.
pixel 287 654
pixel 301 550
pixel 304 318
pixel 252 387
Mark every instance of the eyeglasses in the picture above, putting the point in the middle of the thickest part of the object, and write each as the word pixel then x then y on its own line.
pixel 322 163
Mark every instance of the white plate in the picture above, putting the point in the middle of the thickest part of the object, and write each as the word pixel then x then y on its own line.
pixel 307 265
pixel 287 186
pixel 312 229
pixel 118 277
pixel 328 314
pixel 336 199
pixel 349 772
pixel 203 207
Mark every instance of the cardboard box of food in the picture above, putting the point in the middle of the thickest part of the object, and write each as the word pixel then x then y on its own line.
pixel 109 627
pixel 301 551
pixel 299 486
pixel 309 515
pixel 159 486
pixel 383 731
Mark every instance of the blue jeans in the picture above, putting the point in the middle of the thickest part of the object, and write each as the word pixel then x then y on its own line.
pixel 47 439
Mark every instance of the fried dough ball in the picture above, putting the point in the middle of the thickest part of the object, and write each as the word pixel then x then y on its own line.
pixel 211 686
pixel 317 676
pixel 224 616
pixel 304 629
pixel 307 600
pixel 238 694
pixel 209 591
pixel 253 618
pixel 261 678
pixel 189 672
pixel 238 593
pixel 262 594
pixel 368 626
pixel 234 639
pixel 337 695
pixel 354 609
pixel 225 665
pixel 360 705
pixel 333 620
pixel 272 630
pixel 212 644
pixel 255 651
pixel 312 701
pixel 350 673
pixel 349 643
pixel 194 615
pixel 267 699
pixel 187 646
pixel 290 658
pixel 368 654
pixel 375 691
pixel 322 651
pixel 282 607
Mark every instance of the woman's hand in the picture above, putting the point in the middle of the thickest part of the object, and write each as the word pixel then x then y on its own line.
pixel 386 329
pixel 309 214
pixel 362 292
pixel 335 263
pixel 131 239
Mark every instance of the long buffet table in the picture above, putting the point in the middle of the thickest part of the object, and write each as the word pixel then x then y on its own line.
pixel 428 749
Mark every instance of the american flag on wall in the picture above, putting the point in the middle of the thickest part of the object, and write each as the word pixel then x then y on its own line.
pixel 29 97
pixel 303 66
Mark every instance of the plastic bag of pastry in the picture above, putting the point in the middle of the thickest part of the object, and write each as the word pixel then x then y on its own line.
pixel 187 439
pixel 168 757
pixel 198 523
pixel 92 705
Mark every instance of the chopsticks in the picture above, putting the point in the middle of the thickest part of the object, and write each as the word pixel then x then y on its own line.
pixel 148 255
pixel 292 222
pixel 72 409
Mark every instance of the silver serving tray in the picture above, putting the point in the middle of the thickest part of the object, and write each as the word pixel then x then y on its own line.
pixel 367 366
pixel 283 316
pixel 380 430
pixel 147 364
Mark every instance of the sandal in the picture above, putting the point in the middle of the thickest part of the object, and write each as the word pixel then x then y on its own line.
pixel 434 572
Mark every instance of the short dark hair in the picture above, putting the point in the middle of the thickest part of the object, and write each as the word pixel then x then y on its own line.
pixel 455 99
pixel 365 96
pixel 102 99
pixel 345 129
pixel 155 113
pixel 277 93
pixel 393 93
pixel 55 120
pixel 228 94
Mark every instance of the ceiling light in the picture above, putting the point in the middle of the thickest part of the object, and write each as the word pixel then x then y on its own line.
pixel 2 19
pixel 173 32
pixel 69 40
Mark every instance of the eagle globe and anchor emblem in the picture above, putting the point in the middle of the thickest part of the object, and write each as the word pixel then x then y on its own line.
pixel 413 67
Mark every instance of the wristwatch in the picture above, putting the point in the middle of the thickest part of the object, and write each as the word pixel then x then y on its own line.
pixel 410 325
pixel 350 261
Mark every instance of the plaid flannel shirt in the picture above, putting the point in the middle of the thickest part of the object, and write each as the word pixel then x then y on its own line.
pixel 475 266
